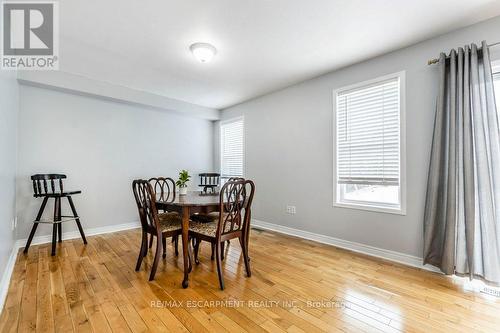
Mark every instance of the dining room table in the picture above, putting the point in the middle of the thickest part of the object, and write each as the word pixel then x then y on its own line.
pixel 186 205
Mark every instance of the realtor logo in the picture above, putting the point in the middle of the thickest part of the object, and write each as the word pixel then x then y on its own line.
pixel 30 35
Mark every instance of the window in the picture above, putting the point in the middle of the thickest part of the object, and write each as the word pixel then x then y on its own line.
pixel 370 145
pixel 232 148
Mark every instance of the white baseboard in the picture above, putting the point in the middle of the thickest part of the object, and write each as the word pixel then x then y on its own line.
pixel 398 257
pixel 7 274
pixel 20 243
pixel 76 234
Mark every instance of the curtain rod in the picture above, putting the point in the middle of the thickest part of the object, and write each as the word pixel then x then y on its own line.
pixel 435 61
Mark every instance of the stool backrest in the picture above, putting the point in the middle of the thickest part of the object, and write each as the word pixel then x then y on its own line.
pixel 47 183
pixel 209 179
pixel 146 204
pixel 235 201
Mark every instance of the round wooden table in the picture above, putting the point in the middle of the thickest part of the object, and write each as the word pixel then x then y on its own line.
pixel 186 205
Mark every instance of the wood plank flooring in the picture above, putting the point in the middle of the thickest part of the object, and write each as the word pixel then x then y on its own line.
pixel 296 286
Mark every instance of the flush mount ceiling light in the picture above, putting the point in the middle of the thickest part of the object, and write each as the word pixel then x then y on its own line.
pixel 203 52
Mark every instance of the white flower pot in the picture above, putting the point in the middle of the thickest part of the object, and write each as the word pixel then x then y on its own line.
pixel 183 190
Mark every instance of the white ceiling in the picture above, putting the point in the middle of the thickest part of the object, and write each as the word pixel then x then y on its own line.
pixel 263 45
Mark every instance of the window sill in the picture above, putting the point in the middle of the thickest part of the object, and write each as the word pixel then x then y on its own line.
pixel 387 210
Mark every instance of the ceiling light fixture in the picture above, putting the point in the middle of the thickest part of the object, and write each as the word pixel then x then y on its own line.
pixel 203 52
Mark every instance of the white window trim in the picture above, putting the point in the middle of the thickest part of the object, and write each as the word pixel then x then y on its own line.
pixel 375 207
pixel 228 121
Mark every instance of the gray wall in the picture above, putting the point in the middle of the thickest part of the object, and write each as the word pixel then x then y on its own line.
pixel 289 146
pixel 102 146
pixel 8 155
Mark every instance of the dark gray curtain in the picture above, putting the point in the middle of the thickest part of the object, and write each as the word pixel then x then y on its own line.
pixel 462 210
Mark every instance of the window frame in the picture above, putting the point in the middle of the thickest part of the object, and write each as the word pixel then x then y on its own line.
pixel 495 65
pixel 221 155
pixel 338 201
pixel 495 70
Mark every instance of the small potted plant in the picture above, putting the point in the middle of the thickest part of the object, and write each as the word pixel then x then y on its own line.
pixel 182 182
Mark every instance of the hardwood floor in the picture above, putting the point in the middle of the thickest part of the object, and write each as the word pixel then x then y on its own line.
pixel 298 286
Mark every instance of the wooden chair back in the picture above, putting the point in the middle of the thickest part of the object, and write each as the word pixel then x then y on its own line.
pixel 230 179
pixel 163 188
pixel 146 204
pixel 44 184
pixel 235 201
pixel 234 179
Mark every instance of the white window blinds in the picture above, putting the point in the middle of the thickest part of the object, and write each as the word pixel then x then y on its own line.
pixel 368 134
pixel 231 148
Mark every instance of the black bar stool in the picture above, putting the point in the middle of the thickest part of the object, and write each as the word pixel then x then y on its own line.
pixel 209 181
pixel 51 186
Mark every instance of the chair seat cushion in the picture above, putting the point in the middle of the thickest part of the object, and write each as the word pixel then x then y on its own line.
pixel 206 228
pixel 170 221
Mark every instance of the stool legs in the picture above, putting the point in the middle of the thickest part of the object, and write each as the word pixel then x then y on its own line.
pixel 77 219
pixel 35 224
pixel 54 237
pixel 56 226
pixel 59 225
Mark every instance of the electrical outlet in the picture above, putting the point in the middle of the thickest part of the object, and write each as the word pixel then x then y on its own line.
pixel 290 209
pixel 15 223
pixel 12 224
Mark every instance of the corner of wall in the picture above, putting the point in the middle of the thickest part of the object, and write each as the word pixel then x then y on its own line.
pixel 9 106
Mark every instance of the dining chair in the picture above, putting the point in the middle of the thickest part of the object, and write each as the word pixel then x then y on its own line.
pixel 235 200
pixel 157 225
pixel 50 186
pixel 164 190
pixel 212 217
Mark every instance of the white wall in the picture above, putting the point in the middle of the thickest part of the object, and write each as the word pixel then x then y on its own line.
pixel 289 146
pixel 101 146
pixel 8 155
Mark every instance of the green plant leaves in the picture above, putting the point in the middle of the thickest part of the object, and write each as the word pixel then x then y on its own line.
pixel 183 178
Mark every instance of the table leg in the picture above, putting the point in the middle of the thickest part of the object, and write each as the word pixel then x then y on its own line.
pixel 185 245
